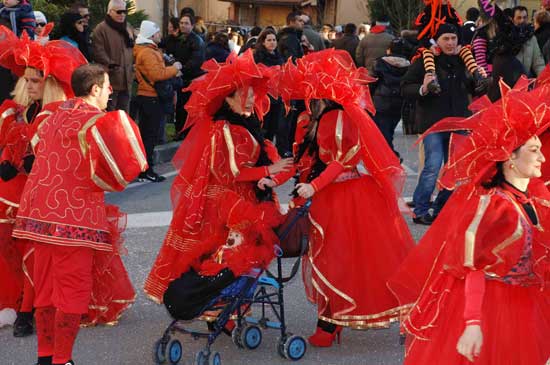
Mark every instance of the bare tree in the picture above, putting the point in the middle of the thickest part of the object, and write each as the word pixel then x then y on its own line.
pixel 401 13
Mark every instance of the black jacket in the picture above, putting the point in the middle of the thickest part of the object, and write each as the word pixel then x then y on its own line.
pixel 190 51
pixel 457 90
pixel 543 35
pixel 217 52
pixel 389 70
pixel 289 43
pixel 348 43
pixel 169 44
pixel 467 32
pixel 268 59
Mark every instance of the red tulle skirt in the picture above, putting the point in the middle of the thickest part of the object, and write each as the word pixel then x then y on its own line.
pixel 358 241
pixel 11 272
pixel 515 327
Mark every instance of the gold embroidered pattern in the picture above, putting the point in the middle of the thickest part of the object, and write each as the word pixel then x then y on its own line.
pixel 471 232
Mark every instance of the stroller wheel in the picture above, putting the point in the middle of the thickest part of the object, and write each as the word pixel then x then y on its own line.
pixel 159 352
pixel 175 351
pixel 295 348
pixel 251 337
pixel 201 358
pixel 215 359
pixel 236 336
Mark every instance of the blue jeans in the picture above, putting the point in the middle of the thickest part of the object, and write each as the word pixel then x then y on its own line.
pixel 436 152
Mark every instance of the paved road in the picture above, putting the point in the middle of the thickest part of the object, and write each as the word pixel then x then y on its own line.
pixel 131 341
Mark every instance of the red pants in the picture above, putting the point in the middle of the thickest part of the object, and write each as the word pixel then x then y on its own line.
pixel 63 277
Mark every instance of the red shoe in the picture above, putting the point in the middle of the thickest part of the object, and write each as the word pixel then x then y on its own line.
pixel 325 339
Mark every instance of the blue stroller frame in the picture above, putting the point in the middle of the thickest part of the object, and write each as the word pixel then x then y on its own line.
pixel 260 287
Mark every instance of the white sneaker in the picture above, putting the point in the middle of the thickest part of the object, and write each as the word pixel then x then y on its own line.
pixel 7 317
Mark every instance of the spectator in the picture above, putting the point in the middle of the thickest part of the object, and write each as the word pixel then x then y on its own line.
pixel 218 48
pixel 235 42
pixel 7 79
pixel 190 53
pixel 481 42
pixel 71 30
pixel 469 26
pixel 187 11
pixel 410 40
pixel 530 54
pixel 113 40
pixel 170 43
pixel 312 36
pixel 389 70
pixel 542 32
pixel 200 28
pixel 362 32
pixel 84 11
pixel 150 68
pixel 41 22
pixel 274 121
pixel 457 89
pixel 338 33
pixel 374 45
pixel 251 41
pixel 20 15
pixel 290 37
pixel 325 30
pixel 349 41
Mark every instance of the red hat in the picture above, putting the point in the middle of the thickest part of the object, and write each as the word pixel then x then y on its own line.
pixel 56 58
pixel 495 131
pixel 221 79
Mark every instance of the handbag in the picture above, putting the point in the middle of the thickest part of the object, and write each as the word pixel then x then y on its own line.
pixel 165 89
pixel 294 232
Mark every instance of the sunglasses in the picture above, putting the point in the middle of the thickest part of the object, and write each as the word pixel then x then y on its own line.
pixel 40 24
pixel 120 12
pixel 81 22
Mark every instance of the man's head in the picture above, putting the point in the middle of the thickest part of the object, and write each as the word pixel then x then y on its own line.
pixel 11 3
pixel 187 22
pixel 472 14
pixel 148 30
pixel 83 10
pixel 307 19
pixel 91 83
pixel 117 10
pixel 255 32
pixel 447 38
pixel 350 29
pixel 519 15
pixel 294 20
pixel 187 10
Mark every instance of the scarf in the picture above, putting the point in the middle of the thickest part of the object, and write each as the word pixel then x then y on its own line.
pixel 120 28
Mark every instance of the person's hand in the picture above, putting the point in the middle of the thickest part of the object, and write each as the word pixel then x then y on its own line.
pixel 306 191
pixel 282 165
pixel 177 65
pixel 428 77
pixel 179 74
pixel 266 182
pixel 469 344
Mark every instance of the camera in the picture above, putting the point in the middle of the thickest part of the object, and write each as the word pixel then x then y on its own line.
pixel 169 60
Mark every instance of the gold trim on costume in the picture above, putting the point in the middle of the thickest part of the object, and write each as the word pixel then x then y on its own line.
pixel 338 134
pixel 9 202
pixel 231 148
pixel 471 232
pixel 108 156
pixel 6 114
pixel 133 140
pixel 24 266
pixel 82 133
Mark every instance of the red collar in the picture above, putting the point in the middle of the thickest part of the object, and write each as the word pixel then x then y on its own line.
pixel 378 29
pixel 521 196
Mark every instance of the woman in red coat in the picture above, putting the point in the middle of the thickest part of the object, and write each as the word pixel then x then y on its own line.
pixel 358 235
pixel 483 269
pixel 223 151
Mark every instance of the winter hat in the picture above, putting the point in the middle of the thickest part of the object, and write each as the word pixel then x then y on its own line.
pixel 147 29
pixel 445 28
pixel 40 17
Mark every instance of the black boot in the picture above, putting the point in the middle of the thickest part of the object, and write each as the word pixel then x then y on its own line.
pixel 23 325
pixel 481 83
pixel 44 360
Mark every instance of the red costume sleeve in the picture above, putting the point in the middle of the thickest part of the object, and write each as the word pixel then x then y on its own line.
pixel 115 151
pixel 273 155
pixel 474 290
pixel 252 173
pixel 332 171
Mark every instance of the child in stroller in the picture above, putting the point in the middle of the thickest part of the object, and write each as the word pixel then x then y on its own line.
pixel 222 284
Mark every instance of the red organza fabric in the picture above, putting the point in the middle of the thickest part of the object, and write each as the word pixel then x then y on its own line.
pixel 11 285
pixel 358 238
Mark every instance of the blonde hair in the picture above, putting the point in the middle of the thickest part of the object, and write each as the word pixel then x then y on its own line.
pixel 52 91
pixel 20 94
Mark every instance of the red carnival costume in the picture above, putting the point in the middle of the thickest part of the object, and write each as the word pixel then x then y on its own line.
pixel 486 259
pixel 80 153
pixel 216 156
pixel 18 123
pixel 358 236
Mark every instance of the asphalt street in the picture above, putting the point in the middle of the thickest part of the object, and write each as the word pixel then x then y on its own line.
pixel 130 342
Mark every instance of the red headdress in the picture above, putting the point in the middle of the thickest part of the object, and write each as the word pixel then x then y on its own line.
pixel 222 79
pixel 436 13
pixel 495 131
pixel 331 74
pixel 56 58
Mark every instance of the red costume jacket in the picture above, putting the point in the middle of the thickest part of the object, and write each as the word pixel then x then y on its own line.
pixel 80 153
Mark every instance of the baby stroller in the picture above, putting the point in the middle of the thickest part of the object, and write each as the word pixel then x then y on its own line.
pixel 260 288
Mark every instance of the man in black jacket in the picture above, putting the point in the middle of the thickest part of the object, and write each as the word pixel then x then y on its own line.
pixel 290 37
pixel 191 54
pixel 457 87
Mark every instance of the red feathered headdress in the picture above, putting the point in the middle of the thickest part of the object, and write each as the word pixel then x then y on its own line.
pixel 436 13
pixel 495 131
pixel 222 79
pixel 56 58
